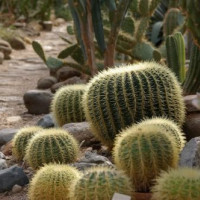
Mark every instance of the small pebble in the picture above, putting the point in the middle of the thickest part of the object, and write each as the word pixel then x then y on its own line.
pixel 16 188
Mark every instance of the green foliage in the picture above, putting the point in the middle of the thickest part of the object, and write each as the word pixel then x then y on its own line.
pixel 53 182
pixel 39 50
pixel 119 97
pixel 21 140
pixel 180 184
pixel 143 152
pixel 51 146
pixel 101 183
pixel 67 106
pixel 128 25
pixel 176 55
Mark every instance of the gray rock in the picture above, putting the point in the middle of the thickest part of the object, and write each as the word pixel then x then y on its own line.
pixel 1 57
pixel 190 155
pixel 46 82
pixel 38 101
pixel 17 43
pixel 46 121
pixel 70 81
pixel 91 159
pixel 12 176
pixel 81 131
pixel 6 135
pixel 2 156
pixel 5 48
pixel 3 164
pixel 16 188
pixel 192 103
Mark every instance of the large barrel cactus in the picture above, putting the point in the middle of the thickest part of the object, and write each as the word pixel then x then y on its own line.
pixel 101 183
pixel 143 152
pixel 51 146
pixel 66 104
pixel 52 182
pixel 121 96
pixel 180 184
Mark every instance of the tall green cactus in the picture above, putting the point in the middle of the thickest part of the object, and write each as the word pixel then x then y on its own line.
pixel 100 183
pixel 192 81
pixel 176 55
pixel 143 152
pixel 119 97
pixel 67 104
pixel 52 182
pixel 180 184
pixel 51 145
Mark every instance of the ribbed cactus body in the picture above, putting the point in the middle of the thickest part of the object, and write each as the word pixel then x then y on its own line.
pixel 168 126
pixel 143 152
pixel 21 140
pixel 119 97
pixel 180 184
pixel 66 105
pixel 52 182
pixel 51 146
pixel 101 183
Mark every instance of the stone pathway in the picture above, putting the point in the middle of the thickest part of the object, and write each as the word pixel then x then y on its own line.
pixel 20 74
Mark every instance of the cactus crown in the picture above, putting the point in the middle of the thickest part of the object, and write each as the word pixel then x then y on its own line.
pixel 52 145
pixel 181 184
pixel 66 105
pixel 142 152
pixel 21 139
pixel 121 96
pixel 100 183
pixel 52 182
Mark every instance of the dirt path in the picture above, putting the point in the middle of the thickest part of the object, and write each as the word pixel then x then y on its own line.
pixel 20 74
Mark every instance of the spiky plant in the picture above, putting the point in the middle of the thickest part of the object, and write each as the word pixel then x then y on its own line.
pixel 51 145
pixel 21 140
pixel 100 183
pixel 125 95
pixel 168 126
pixel 143 152
pixel 66 105
pixel 52 182
pixel 180 184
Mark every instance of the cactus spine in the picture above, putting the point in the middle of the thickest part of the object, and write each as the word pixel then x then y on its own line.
pixel 52 145
pixel 21 140
pixel 52 182
pixel 66 104
pixel 121 96
pixel 143 152
pixel 176 55
pixel 180 184
pixel 101 183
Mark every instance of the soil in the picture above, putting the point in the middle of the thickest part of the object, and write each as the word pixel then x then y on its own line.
pixel 18 75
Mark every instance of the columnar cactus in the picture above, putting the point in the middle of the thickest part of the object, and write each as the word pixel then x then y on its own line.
pixel 119 97
pixel 66 105
pixel 168 126
pixel 21 140
pixel 52 182
pixel 52 145
pixel 180 184
pixel 101 183
pixel 143 152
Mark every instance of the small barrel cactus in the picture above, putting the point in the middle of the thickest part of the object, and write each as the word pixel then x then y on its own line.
pixel 143 152
pixel 100 183
pixel 51 146
pixel 52 182
pixel 66 104
pixel 21 140
pixel 119 97
pixel 180 184
pixel 168 127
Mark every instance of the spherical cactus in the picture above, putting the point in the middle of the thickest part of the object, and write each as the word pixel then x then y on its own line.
pixel 51 146
pixel 119 97
pixel 142 152
pixel 21 140
pixel 168 127
pixel 66 105
pixel 101 183
pixel 52 182
pixel 180 184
